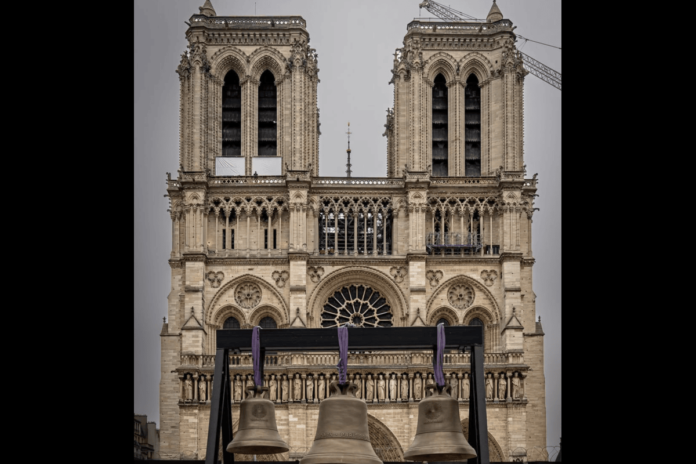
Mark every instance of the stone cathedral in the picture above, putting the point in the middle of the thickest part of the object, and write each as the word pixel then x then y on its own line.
pixel 260 238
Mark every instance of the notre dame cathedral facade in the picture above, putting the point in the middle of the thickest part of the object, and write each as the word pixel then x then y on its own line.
pixel 260 238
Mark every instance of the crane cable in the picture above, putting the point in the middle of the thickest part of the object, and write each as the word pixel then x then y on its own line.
pixel 542 43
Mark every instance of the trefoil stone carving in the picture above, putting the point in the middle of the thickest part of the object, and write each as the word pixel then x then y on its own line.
pixel 215 278
pixel 434 277
pixel 280 278
pixel 489 277
pixel 398 273
pixel 315 273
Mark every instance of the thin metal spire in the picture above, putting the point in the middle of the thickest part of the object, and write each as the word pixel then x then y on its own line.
pixel 348 165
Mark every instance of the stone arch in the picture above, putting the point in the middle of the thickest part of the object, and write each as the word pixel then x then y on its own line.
pixel 264 310
pixel 481 312
pixel 495 452
pixel 229 58
pixel 227 311
pixel 383 441
pixel 267 287
pixel 477 64
pixel 443 312
pixel 357 275
pixel 441 63
pixel 478 286
pixel 266 58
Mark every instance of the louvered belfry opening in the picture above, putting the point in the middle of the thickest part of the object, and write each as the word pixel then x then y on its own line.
pixel 440 134
pixel 472 135
pixel 268 145
pixel 231 116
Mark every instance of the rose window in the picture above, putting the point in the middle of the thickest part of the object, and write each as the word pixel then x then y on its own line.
pixel 359 305
pixel 461 296
pixel 248 295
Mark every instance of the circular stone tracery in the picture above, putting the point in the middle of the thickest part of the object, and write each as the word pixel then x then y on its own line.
pixel 461 296
pixel 359 305
pixel 248 295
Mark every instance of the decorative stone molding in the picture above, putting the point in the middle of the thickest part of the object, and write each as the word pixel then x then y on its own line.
pixel 489 277
pixel 398 273
pixel 280 278
pixel 434 277
pixel 215 278
pixel 461 296
pixel 443 312
pixel 315 273
pixel 248 295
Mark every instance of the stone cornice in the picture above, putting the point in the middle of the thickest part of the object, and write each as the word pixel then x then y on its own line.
pixel 511 256
pixel 528 261
pixel 249 261
pixel 298 256
pixel 176 263
pixel 417 257
pixel 433 259
pixel 356 261
pixel 194 257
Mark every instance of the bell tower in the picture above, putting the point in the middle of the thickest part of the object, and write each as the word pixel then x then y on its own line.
pixel 458 99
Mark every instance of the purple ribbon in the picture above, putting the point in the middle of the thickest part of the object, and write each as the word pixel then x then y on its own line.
pixel 256 355
pixel 343 353
pixel 440 355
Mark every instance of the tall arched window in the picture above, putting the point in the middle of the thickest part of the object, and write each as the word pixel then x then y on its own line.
pixel 268 323
pixel 231 323
pixel 440 134
pixel 443 321
pixel 476 321
pixel 231 116
pixel 267 115
pixel 472 135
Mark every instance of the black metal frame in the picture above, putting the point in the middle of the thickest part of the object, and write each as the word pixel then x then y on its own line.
pixel 382 339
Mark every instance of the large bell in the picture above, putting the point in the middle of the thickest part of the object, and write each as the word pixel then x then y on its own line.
pixel 439 436
pixel 342 434
pixel 257 433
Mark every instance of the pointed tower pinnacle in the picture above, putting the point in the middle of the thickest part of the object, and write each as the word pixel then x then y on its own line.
pixel 348 165
pixel 495 14
pixel 207 9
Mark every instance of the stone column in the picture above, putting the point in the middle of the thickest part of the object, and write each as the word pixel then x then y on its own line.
pixel 365 216
pixel 248 234
pixel 315 392
pixel 291 380
pixel 178 232
pixel 304 377
pixel 195 388
pixel 398 388
pixel 410 388
pixel 259 245
pixel 459 388
pixel 209 387
pixel 490 232
pixel 508 398
pixel 326 232
pixel 495 388
pixel 356 218
pixel 280 231
pixel 217 216
pixel 335 247
pixel 182 395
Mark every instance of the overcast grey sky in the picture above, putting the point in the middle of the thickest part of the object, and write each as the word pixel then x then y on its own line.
pixel 355 40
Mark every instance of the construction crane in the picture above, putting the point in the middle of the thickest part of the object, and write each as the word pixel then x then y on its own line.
pixel 535 67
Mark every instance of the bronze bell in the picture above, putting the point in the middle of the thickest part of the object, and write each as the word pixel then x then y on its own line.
pixel 257 433
pixel 342 435
pixel 439 436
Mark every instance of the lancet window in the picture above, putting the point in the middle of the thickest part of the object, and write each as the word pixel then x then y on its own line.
pixel 268 323
pixel 355 227
pixel 472 129
pixel 231 323
pixel 231 116
pixel 440 133
pixel 267 130
pixel 462 226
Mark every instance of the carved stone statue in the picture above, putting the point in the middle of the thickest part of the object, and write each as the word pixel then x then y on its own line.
pixel 454 384
pixel 201 389
pixel 370 388
pixel 188 385
pixel 404 389
pixel 273 388
pixel 381 388
pixel 392 387
pixel 285 389
pixel 489 387
pixel 358 392
pixel 310 389
pixel 515 381
pixel 501 387
pixel 297 388
pixel 237 389
pixel 321 388
pixel 466 387
pixel 417 388
pixel 249 383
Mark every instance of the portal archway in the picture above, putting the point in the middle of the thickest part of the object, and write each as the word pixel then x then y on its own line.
pixel 495 452
pixel 383 441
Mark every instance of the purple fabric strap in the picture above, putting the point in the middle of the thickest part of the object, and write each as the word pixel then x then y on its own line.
pixel 256 355
pixel 439 356
pixel 342 354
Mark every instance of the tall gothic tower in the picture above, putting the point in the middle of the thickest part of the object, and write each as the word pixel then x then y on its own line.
pixel 258 238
